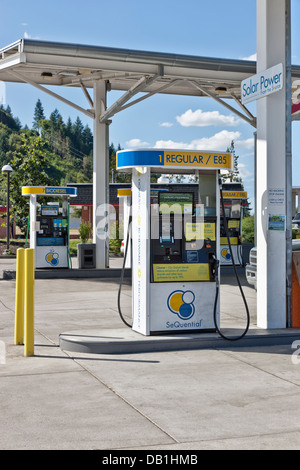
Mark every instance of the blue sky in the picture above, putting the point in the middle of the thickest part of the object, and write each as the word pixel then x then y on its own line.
pixel 195 27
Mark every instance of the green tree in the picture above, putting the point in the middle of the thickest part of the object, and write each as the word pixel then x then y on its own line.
pixel 87 167
pixel 38 115
pixel 232 175
pixel 29 169
pixel 8 120
pixel 4 146
pixel 118 177
pixel 87 140
pixel 248 229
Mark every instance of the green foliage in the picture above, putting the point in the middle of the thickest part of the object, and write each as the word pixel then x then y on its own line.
pixel 52 153
pixel 232 175
pixel 295 233
pixel 248 229
pixel 8 120
pixel 114 176
pixel 84 231
pixel 114 240
pixel 38 115
pixel 73 247
pixel 29 165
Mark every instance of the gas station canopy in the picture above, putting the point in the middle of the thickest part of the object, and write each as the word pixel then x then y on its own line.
pixel 43 63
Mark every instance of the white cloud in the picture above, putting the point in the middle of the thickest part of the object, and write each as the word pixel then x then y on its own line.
pixel 170 144
pixel 200 118
pixel 134 143
pixel 245 144
pixel 28 36
pixel 250 57
pixel 244 173
pixel 166 124
pixel 219 141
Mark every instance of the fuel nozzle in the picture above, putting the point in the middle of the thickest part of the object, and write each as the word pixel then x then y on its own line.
pixel 213 264
pixel 220 181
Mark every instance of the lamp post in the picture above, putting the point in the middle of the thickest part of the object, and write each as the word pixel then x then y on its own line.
pixel 7 169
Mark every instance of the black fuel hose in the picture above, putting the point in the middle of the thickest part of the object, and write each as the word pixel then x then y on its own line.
pixel 122 276
pixel 235 338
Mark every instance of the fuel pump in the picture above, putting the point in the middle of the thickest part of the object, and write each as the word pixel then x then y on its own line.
pixel 52 237
pixel 234 201
pixel 175 271
pixel 49 225
pixel 234 338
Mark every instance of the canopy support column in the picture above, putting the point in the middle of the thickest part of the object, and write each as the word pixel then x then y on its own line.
pixel 274 189
pixel 100 178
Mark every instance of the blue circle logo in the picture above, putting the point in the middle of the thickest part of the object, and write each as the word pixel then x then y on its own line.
pixel 225 253
pixel 52 258
pixel 181 303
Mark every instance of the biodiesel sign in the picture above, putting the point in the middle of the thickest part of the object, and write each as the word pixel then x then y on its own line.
pixel 263 84
pixel 49 191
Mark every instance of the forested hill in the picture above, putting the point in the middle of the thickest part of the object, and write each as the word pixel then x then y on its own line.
pixel 63 151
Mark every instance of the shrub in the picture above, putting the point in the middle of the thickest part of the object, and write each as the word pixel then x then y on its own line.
pixel 84 231
pixel 248 229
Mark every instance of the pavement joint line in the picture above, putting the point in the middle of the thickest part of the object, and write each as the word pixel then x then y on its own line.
pixel 46 337
pixel 230 353
pixel 123 399
pixel 250 436
pixel 5 306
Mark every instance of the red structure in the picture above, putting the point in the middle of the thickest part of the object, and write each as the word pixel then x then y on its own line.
pixel 2 222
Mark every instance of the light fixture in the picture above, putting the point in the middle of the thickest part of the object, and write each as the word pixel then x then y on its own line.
pixel 221 90
pixel 46 74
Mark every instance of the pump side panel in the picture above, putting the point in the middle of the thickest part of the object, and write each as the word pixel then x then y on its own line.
pixel 225 255
pixel 140 249
pixel 182 307
pixel 51 257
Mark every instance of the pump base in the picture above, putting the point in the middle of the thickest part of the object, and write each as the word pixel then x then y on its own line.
pixel 126 341
pixel 186 332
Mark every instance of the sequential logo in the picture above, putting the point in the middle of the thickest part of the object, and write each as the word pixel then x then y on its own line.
pixel 182 303
pixel 225 253
pixel 52 258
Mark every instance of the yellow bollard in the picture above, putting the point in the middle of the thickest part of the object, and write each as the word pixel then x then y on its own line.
pixel 19 303
pixel 29 303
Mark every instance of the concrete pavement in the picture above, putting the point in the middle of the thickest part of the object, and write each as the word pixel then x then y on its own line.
pixel 225 396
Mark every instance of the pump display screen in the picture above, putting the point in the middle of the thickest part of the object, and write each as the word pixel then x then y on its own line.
pixel 50 210
pixel 177 203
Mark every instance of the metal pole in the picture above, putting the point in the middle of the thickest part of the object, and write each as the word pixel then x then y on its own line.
pixel 288 159
pixel 100 178
pixel 7 215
